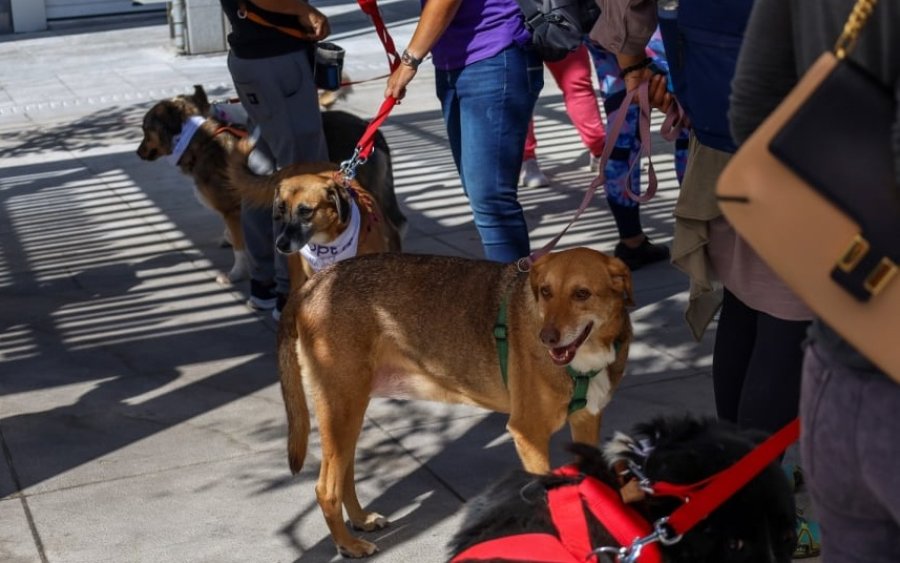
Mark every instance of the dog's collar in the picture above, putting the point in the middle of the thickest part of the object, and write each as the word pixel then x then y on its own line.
pixel 580 380
pixel 566 504
pixel 183 139
pixel 344 246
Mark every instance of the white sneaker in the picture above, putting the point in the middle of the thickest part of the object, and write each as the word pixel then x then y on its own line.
pixel 532 177
pixel 594 164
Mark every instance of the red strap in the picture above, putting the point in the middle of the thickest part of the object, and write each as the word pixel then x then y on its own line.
pixel 605 503
pixel 370 7
pixel 533 548
pixel 241 133
pixel 568 517
pixel 366 143
pixel 726 483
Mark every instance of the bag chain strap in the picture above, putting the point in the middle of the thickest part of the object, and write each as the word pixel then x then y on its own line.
pixel 858 17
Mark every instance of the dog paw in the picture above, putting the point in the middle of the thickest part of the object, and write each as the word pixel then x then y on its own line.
pixel 357 548
pixel 372 521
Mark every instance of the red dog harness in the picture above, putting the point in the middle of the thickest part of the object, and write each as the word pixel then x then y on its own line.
pixel 573 545
pixel 626 526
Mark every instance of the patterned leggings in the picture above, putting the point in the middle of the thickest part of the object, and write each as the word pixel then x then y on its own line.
pixel 628 144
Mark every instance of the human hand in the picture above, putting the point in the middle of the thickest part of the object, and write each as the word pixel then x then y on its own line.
pixel 314 23
pixel 398 80
pixel 637 77
pixel 658 90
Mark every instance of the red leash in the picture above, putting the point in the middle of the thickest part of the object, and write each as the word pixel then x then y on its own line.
pixel 366 143
pixel 370 7
pixel 701 499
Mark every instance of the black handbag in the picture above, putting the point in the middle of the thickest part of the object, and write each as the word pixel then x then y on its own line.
pixel 558 26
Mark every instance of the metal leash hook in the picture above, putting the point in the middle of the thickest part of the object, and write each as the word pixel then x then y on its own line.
pixel 632 553
pixel 349 166
pixel 624 554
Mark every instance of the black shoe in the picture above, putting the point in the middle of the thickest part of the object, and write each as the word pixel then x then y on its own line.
pixel 262 296
pixel 646 253
pixel 281 301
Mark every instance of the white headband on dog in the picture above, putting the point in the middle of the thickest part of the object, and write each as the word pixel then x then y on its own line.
pixel 182 140
pixel 321 255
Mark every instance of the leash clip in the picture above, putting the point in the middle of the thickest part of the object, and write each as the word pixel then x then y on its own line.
pixel 644 482
pixel 348 167
pixel 662 533
pixel 629 554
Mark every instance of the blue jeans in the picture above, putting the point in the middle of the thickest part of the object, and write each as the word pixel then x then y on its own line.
pixel 487 106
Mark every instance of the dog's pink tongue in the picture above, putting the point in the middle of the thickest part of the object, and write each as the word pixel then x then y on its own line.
pixel 562 356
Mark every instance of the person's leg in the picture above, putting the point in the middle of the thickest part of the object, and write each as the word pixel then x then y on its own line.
pixel 280 96
pixel 573 76
pixel 733 348
pixel 618 172
pixel 770 395
pixel 496 98
pixel 850 456
pixel 530 152
pixel 531 176
pixel 634 248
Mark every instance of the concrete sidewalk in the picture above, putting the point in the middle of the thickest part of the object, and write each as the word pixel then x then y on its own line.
pixel 140 416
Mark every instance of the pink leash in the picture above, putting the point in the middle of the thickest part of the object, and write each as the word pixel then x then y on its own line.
pixel 669 130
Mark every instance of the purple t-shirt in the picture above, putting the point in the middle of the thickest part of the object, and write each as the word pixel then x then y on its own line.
pixel 480 30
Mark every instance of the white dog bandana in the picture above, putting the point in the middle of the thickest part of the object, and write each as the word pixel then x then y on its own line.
pixel 321 255
pixel 182 140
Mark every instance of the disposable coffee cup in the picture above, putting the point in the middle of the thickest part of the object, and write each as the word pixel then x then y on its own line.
pixel 329 64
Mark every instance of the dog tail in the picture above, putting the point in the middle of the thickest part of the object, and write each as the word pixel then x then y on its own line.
pixel 256 190
pixel 292 388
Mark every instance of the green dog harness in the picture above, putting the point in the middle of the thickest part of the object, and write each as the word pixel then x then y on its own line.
pixel 581 380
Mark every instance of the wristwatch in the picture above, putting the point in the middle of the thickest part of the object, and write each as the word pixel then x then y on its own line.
pixel 409 60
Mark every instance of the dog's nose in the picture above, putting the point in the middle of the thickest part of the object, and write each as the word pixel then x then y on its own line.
pixel 549 336
pixel 283 244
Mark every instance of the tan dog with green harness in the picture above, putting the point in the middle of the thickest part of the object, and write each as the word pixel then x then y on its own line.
pixel 545 346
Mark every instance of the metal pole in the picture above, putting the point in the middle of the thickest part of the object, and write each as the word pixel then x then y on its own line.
pixel 176 9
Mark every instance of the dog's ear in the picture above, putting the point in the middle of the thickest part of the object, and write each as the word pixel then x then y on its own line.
pixel 340 197
pixel 172 118
pixel 621 279
pixel 200 100
pixel 536 274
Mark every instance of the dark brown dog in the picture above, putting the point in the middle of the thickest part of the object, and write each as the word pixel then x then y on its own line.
pixel 416 326
pixel 206 160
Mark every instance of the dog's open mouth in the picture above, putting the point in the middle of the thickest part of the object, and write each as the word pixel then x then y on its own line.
pixel 564 354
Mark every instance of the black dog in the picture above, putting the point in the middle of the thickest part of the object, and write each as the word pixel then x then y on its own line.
pixel 756 525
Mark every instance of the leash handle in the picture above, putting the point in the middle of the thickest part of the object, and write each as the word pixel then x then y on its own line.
pixel 370 7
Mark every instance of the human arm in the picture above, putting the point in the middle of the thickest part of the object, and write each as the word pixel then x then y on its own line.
pixel 436 16
pixel 625 28
pixel 313 22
